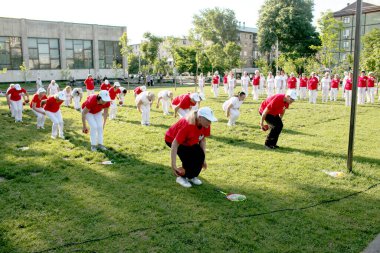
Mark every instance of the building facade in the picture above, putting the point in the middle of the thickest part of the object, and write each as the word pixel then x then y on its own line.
pixel 58 50
pixel 247 38
pixel 370 20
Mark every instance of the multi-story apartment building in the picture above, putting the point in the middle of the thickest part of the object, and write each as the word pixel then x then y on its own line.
pixel 247 37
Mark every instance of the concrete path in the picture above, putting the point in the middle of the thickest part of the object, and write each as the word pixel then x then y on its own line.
pixel 374 246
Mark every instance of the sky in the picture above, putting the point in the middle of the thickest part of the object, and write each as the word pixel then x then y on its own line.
pixel 161 18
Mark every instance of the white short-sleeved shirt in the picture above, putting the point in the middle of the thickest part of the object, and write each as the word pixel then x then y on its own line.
pixel 201 81
pixel 143 97
pixel 270 81
pixel 53 89
pixel 278 81
pixel 164 94
pixel 236 103
pixel 245 80
pixel 325 83
pixel 231 82
pixel 77 92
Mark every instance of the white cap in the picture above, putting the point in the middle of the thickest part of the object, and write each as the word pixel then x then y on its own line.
pixel 61 96
pixel 104 95
pixel 207 113
pixel 292 94
pixel 202 96
pixel 195 97
pixel 117 84
pixel 106 81
pixel 143 88
pixel 17 86
pixel 41 90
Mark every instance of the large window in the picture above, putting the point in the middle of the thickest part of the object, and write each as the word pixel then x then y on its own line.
pixel 79 54
pixel 43 53
pixel 109 51
pixel 372 18
pixel 10 53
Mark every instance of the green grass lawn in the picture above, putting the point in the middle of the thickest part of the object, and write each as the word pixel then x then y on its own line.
pixel 57 197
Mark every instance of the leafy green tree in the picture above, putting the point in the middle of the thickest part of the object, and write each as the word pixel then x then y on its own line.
pixel 289 21
pixel 232 55
pixel 370 58
pixel 162 66
pixel 312 65
pixel 216 25
pixel 330 29
pixel 25 71
pixel 263 65
pixel 216 56
pixel 133 64
pixel 184 58
pixel 125 49
pixel 150 47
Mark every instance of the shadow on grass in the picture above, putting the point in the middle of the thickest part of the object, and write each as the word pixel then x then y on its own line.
pixel 237 142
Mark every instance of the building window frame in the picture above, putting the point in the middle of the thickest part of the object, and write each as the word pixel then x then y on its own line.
pixel 44 53
pixel 79 54
pixel 109 51
pixel 11 56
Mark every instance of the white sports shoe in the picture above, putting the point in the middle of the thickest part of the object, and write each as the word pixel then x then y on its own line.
pixel 93 148
pixel 195 181
pixel 101 147
pixel 183 182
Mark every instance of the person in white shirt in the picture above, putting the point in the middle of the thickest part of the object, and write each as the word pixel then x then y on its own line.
pixel 123 93
pixel 231 107
pixel 262 84
pixel 231 81
pixel 325 83
pixel 270 85
pixel 39 83
pixel 68 92
pixel 77 95
pixel 245 82
pixel 143 103
pixel 284 81
pixel 52 89
pixel 201 83
pixel 164 96
pixel 278 81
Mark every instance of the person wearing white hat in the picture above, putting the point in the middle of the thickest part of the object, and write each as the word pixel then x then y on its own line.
pixel 215 84
pixel 53 88
pixel 231 81
pixel 245 82
pixel 272 111
pixel 201 83
pixel 9 104
pixel 139 89
pixel 187 139
pixel 114 91
pixel 35 105
pixel 325 83
pixel 67 90
pixel 95 112
pixel 184 103
pixel 123 93
pixel 90 86
pixel 164 96
pixel 231 107
pixel 262 84
pixel 52 109
pixel 344 83
pixel 77 95
pixel 14 99
pixel 270 85
pixel 105 85
pixel 371 88
pixel 143 103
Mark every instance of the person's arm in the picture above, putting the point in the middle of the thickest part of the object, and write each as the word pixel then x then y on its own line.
pixel 176 111
pixel 26 97
pixel 202 143
pixel 139 106
pixel 173 156
pixel 105 116
pixel 282 114
pixel 158 102
pixel 263 116
pixel 8 100
pixel 84 113
pixel 228 110
pixel 39 110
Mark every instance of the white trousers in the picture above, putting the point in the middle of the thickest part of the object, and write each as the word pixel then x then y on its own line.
pixel 361 95
pixel 96 127
pixel 325 94
pixel 278 89
pixel 76 102
pixel 270 91
pixel 333 94
pixel 348 97
pixel 303 92
pixel 90 92
pixel 16 106
pixel 145 109
pixel 56 118
pixel 225 88
pixel 67 102
pixel 255 92
pixel 182 112
pixel 215 90
pixel 371 95
pixel 113 109
pixel 230 91
pixel 201 89
pixel 234 115
pixel 313 96
pixel 244 87
pixel 165 106
pixel 40 118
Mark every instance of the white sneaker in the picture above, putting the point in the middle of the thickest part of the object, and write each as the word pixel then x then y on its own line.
pixel 195 181
pixel 183 182
pixel 101 147
pixel 93 148
pixel 53 137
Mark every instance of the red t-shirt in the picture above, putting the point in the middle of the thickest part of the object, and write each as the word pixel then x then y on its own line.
pixel 292 81
pixel 313 83
pixel 303 82
pixel 348 85
pixel 362 82
pixel 275 105
pixel 371 82
pixel 225 79
pixel 186 134
pixel 89 84
pixel 113 93
pixel 104 86
pixel 215 80
pixel 92 105
pixel 52 105
pixel 37 100
pixel 256 80
pixel 184 101
pixel 15 94
pixel 137 90
pixel 335 83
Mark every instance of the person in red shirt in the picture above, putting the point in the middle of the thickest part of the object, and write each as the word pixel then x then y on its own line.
pixel 292 82
pixel 105 85
pixel 187 139
pixel 255 85
pixel 114 92
pixel 95 111
pixel 272 110
pixel 90 86
pixel 362 87
pixel 371 88
pixel 334 88
pixel 303 86
pixel 52 109
pixel 138 90
pixel 14 99
pixel 215 83
pixel 225 82
pixel 35 104
pixel 184 103
pixel 348 90
pixel 312 86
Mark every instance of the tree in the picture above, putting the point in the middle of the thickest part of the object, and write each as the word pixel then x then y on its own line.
pixel 116 68
pixel 216 25
pixel 371 52
pixel 263 65
pixel 215 55
pixel 25 71
pixel 232 55
pixel 150 48
pixel 125 50
pixel 185 59
pixel 312 65
pixel 330 29
pixel 162 66
pixel 289 21
pixel 66 73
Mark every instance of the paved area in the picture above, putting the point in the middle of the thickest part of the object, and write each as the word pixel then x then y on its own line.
pixel 374 246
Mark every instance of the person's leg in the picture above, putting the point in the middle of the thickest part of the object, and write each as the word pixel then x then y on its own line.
pixel 60 123
pixel 234 115
pixel 182 113
pixel 276 126
pixel 76 103
pixel 54 120
pixel 165 106
pixel 93 128
pixel 192 159
pixel 98 118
